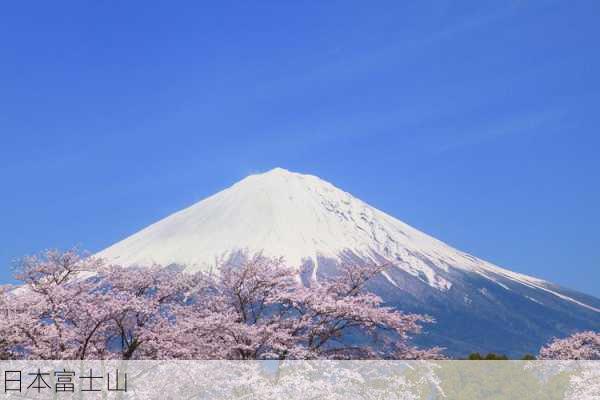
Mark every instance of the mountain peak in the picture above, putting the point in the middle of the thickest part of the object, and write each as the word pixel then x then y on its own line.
pixel 317 226
pixel 306 220
pixel 279 174
pixel 278 171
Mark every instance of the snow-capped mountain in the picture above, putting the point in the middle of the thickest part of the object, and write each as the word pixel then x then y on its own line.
pixel 313 224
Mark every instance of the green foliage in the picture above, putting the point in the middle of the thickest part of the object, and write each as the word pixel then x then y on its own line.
pixel 494 356
pixel 488 356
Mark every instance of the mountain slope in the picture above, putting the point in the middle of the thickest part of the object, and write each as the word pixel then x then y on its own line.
pixel 312 223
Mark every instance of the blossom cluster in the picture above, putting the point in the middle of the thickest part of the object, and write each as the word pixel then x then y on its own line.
pixel 75 307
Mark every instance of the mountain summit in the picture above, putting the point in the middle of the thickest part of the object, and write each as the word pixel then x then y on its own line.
pixel 300 217
pixel 312 223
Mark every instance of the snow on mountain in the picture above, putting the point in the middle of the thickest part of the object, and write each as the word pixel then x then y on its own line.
pixel 304 219
pixel 478 306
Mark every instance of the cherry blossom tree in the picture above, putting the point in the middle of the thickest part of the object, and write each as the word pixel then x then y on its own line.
pixel 576 355
pixel 579 346
pixel 146 303
pixel 585 384
pixel 77 307
pixel 333 379
pixel 73 307
pixel 53 315
pixel 261 310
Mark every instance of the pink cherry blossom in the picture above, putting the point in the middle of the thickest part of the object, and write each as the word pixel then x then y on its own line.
pixel 77 307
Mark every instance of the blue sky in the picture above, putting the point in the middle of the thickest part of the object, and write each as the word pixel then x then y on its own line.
pixel 476 122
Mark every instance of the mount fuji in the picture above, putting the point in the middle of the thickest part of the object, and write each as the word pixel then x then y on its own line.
pixel 478 306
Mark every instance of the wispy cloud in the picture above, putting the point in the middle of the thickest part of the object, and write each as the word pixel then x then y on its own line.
pixel 524 124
